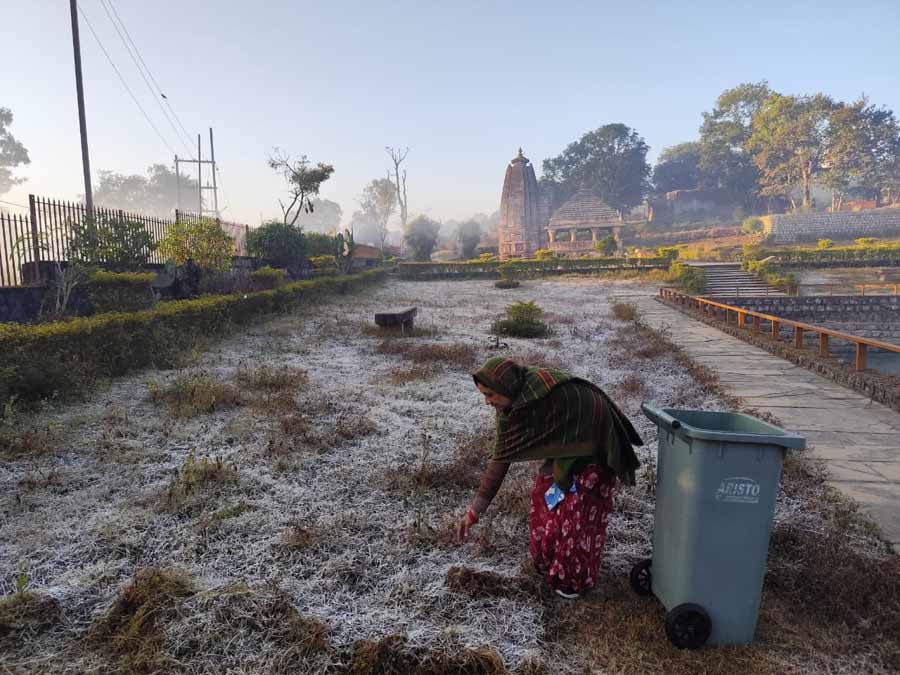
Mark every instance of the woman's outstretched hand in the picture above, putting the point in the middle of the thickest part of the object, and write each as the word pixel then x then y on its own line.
pixel 462 531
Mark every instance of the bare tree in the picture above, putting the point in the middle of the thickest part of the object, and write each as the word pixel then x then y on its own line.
pixel 380 199
pixel 397 156
pixel 303 180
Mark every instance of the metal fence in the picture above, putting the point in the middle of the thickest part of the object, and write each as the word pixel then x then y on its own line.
pixel 46 235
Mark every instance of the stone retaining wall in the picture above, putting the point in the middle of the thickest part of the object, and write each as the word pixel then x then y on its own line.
pixel 805 227
pixel 20 304
pixel 813 308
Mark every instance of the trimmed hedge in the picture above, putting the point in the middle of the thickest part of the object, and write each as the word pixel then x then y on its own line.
pixel 119 291
pixel 873 253
pixel 478 269
pixel 39 361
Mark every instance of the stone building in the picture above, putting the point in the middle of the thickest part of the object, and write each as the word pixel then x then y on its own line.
pixel 527 223
pixel 581 222
pixel 523 211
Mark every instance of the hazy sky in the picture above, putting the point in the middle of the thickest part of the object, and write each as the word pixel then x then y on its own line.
pixel 463 84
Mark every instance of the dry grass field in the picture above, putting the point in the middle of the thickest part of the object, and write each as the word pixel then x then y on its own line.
pixel 286 502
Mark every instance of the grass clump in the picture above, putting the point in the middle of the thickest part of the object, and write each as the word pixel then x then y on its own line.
pixel 194 395
pixel 478 584
pixel 455 355
pixel 26 613
pixel 392 656
pixel 270 379
pixel 187 489
pixel 624 311
pixel 132 629
pixel 523 320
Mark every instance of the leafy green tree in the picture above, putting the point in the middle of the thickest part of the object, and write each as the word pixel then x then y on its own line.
pixel 281 244
pixel 12 153
pixel 379 199
pixel 304 181
pixel 725 161
pixel 678 168
pixel 155 194
pixel 201 241
pixel 861 148
pixel 421 236
pixel 469 236
pixel 788 144
pixel 612 160
pixel 607 245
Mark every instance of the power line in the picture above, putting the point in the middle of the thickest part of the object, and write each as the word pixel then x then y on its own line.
pixel 21 206
pixel 187 136
pixel 141 71
pixel 124 83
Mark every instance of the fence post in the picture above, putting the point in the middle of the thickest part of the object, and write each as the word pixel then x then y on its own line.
pixel 35 242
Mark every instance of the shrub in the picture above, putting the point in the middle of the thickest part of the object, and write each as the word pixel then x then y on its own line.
pixel 752 226
pixel 867 241
pixel 202 241
pixel 266 277
pixel 421 236
pixel 119 292
pixel 277 242
pixel 691 279
pixel 624 311
pixel 523 319
pixel 111 243
pixel 322 261
pixel 667 252
pixel 62 357
pixel 824 244
pixel 544 253
pixel 607 245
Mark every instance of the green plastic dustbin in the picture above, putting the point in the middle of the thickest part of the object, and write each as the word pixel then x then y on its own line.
pixel 716 480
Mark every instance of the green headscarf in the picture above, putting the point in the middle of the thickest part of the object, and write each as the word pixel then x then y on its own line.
pixel 556 416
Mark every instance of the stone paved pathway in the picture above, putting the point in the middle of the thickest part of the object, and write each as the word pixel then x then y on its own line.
pixel 858 439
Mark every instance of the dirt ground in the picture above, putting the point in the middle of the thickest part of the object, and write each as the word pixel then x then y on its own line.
pixel 286 502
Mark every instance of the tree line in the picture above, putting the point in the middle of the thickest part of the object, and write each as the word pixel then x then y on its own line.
pixel 758 144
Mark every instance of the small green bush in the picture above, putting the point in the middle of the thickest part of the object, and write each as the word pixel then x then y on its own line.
pixel 691 279
pixel 267 277
pixel 867 241
pixel 824 244
pixel 752 226
pixel 523 319
pixel 544 253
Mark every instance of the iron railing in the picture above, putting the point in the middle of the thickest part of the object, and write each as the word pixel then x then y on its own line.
pixel 46 235
pixel 723 312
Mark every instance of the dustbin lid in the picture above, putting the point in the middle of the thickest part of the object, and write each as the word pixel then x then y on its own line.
pixel 730 427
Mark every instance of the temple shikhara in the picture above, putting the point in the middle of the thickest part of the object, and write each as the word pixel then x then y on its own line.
pixel 527 224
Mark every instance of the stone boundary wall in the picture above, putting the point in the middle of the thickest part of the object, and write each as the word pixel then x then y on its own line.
pixel 877 386
pixel 820 309
pixel 794 228
pixel 20 304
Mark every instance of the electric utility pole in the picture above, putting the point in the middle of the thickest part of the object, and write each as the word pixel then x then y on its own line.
pixel 82 121
pixel 200 186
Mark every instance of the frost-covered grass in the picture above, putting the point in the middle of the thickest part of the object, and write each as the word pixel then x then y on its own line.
pixel 318 535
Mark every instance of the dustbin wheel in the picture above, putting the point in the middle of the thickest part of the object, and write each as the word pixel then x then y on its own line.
pixel 688 626
pixel 641 577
